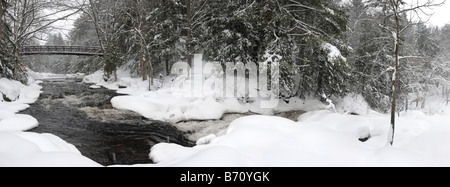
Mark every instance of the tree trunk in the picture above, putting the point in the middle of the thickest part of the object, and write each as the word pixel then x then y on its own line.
pixel 142 62
pixel 150 68
pixel 394 96
pixel 443 90
pixel 395 78
pixel 138 21
pixel 16 62
pixel 189 33
pixel 407 104
pixel 448 95
pixel 167 67
pixel 96 26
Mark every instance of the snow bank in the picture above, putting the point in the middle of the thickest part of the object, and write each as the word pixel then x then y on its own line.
pixel 167 107
pixel 124 85
pixel 353 103
pixel 20 149
pixel 176 105
pixel 321 138
pixel 16 91
pixel 18 122
pixel 435 104
pixel 24 149
pixel 15 97
pixel 163 105
pixel 199 97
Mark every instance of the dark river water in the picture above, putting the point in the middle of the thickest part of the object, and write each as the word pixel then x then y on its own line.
pixel 85 118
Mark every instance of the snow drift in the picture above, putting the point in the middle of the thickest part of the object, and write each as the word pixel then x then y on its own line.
pixel 321 138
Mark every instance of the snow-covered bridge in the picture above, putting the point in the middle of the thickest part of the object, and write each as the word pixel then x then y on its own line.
pixel 61 50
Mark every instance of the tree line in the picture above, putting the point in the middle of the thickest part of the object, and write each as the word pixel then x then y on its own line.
pixel 150 36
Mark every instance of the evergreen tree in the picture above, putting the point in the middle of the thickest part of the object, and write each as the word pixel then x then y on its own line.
pixel 444 61
pixel 166 31
pixel 6 59
pixel 327 22
pixel 84 34
pixel 372 56
pixel 56 40
pixel 245 31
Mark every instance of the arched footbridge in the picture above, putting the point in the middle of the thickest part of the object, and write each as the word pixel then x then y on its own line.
pixel 61 50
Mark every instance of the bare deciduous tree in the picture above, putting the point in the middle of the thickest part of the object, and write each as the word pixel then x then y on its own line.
pixel 104 15
pixel 399 8
pixel 29 18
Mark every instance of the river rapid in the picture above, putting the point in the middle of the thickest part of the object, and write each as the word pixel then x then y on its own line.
pixel 84 117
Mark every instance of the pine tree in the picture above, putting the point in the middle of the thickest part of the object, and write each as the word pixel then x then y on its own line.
pixel 6 59
pixel 319 23
pixel 444 61
pixel 245 31
pixel 107 18
pixel 372 55
pixel 84 34
pixel 166 26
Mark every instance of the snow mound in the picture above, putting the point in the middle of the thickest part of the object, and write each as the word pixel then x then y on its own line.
pixel 15 91
pixel 18 122
pixel 353 104
pixel 124 85
pixel 321 138
pixel 175 109
pixel 16 97
pixel 20 149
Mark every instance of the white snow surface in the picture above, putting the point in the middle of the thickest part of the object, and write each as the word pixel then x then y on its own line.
pixel 333 52
pixel 167 104
pixel 20 96
pixel 320 138
pixel 22 149
pixel 25 149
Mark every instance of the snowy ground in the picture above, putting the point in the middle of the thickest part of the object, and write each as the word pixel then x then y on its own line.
pixel 165 104
pixel 322 137
pixel 19 97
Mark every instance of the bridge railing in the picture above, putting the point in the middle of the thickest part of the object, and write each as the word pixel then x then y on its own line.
pixel 62 50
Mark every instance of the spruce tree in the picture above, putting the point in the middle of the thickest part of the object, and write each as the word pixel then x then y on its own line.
pixel 245 31
pixel 6 59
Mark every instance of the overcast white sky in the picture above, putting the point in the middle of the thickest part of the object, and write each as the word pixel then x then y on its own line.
pixel 442 15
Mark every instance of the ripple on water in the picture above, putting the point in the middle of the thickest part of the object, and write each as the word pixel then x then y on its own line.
pixel 85 118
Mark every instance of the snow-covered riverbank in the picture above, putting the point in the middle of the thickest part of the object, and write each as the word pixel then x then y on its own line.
pixel 322 137
pixel 325 136
pixel 15 97
pixel 25 149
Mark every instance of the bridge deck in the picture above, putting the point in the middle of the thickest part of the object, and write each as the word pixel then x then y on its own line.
pixel 61 50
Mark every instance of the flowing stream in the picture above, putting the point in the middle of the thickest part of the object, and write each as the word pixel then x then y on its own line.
pixel 85 118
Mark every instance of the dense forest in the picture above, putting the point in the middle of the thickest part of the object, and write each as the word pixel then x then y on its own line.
pixel 328 48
